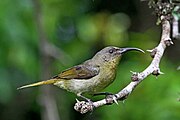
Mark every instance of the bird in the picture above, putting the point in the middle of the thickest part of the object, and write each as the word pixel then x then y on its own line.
pixel 92 76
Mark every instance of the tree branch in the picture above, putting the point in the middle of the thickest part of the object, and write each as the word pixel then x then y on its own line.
pixel 137 78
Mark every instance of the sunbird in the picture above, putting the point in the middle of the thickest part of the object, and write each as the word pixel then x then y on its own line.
pixel 92 76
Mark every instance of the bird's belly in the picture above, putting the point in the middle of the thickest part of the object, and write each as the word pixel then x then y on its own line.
pixel 90 86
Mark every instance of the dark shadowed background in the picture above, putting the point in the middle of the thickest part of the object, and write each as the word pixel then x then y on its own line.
pixel 39 39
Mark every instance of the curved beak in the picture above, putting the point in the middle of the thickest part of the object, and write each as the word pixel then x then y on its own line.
pixel 124 50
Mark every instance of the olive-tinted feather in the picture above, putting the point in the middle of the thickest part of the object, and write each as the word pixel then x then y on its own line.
pixel 79 72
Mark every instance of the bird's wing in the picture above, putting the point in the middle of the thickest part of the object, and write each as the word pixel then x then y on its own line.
pixel 79 72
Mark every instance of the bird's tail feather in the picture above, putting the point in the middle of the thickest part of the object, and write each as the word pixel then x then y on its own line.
pixel 51 81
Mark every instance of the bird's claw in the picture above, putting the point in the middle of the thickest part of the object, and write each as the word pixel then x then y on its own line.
pixel 84 106
pixel 111 98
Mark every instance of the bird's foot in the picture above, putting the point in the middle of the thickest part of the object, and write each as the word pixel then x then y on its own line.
pixel 110 97
pixel 103 93
pixel 84 106
pixel 85 98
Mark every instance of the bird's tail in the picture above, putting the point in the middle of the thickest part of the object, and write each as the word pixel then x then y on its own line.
pixel 51 81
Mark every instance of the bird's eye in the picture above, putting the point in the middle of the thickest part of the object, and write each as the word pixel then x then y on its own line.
pixel 111 51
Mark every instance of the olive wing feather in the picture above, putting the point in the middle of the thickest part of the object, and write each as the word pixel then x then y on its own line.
pixel 79 72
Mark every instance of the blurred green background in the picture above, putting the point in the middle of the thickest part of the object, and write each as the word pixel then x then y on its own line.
pixel 38 39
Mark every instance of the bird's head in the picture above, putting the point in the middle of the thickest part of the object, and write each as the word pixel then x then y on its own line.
pixel 112 54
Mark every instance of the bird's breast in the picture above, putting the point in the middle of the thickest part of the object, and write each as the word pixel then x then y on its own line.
pixel 107 76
